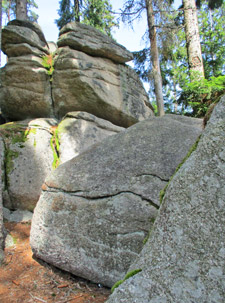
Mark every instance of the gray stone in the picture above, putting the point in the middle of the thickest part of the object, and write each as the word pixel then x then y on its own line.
pixel 1 206
pixel 28 159
pixel 26 89
pixel 184 259
pixel 23 49
pixel 98 86
pixel 91 41
pixel 17 215
pixel 96 209
pixel 15 34
pixel 79 130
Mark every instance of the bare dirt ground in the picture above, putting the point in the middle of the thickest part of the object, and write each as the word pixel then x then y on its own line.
pixel 26 280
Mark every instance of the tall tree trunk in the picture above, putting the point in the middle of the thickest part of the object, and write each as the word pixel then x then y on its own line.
pixel 21 9
pixel 155 58
pixel 193 40
pixel 0 33
pixel 77 10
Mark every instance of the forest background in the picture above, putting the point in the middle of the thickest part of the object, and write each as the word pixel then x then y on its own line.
pixel 181 93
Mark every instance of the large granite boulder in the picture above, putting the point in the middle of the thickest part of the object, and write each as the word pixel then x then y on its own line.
pixel 1 204
pixel 28 158
pixel 96 209
pixel 91 41
pixel 184 259
pixel 78 131
pixel 107 90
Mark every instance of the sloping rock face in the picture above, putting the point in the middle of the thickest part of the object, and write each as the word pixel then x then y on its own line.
pixel 79 130
pixel 26 89
pixel 184 259
pixel 92 222
pixel 28 158
pixel 95 43
pixel 1 205
pixel 107 90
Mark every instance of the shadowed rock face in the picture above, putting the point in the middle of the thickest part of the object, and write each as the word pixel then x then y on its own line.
pixel 96 209
pixel 184 259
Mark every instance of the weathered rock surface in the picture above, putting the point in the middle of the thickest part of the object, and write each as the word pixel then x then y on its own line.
pixel 28 159
pixel 98 86
pixel 17 215
pixel 79 130
pixel 96 209
pixel 23 32
pixel 184 259
pixel 26 90
pixel 1 206
pixel 91 41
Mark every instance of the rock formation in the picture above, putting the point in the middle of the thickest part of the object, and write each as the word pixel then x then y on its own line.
pixel 1 207
pixel 28 158
pixel 33 148
pixel 89 75
pixel 184 258
pixel 78 131
pixel 26 89
pixel 93 221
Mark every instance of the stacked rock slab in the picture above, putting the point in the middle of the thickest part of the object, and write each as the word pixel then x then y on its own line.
pixel 90 76
pixel 26 89
pixel 96 209
pixel 184 259
pixel 78 131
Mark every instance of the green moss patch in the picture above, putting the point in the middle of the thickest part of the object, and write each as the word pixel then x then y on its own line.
pixel 54 142
pixel 128 275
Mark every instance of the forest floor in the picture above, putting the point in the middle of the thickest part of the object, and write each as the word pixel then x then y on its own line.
pixel 24 279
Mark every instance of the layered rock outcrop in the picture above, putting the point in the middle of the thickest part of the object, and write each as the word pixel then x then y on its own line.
pixel 26 89
pixel 93 221
pixel 184 258
pixel 89 75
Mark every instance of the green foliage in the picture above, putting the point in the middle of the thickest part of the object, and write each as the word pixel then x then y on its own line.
pixel 65 12
pixel 98 14
pixel 54 143
pixel 48 63
pixel 202 93
pixel 128 275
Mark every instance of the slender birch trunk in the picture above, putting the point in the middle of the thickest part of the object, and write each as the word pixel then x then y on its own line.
pixel 155 57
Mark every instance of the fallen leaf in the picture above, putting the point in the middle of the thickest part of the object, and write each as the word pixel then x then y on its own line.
pixel 62 285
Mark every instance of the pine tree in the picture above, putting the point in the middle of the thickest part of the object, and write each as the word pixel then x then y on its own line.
pixel 66 13
pixel 97 13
